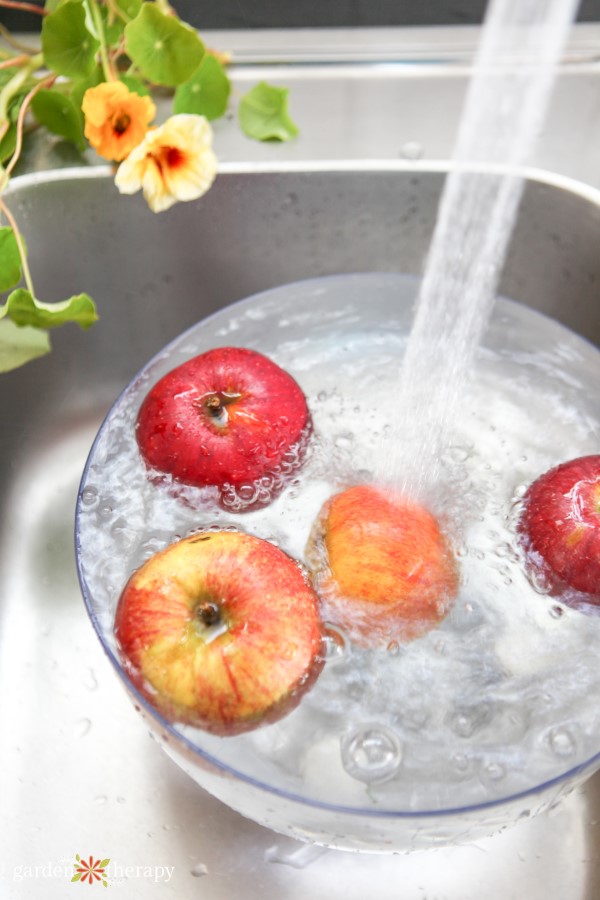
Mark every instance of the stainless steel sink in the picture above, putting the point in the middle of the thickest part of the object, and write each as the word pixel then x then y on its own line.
pixel 78 772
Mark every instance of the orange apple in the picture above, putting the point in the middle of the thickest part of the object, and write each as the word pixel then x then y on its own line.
pixel 221 630
pixel 384 570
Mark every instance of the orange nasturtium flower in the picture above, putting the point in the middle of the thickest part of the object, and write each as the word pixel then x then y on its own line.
pixel 173 162
pixel 116 119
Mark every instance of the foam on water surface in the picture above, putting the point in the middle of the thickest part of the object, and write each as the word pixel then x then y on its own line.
pixel 502 695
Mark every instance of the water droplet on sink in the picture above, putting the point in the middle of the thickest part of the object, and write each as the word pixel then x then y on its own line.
pixel 91 682
pixel 371 754
pixel 198 870
pixel 411 150
pixel 82 727
pixel 100 799
pixel 297 857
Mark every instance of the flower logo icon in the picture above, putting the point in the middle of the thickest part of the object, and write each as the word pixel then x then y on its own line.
pixel 90 870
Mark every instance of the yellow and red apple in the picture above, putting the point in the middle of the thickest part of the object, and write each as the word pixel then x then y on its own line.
pixel 227 418
pixel 221 630
pixel 560 525
pixel 381 565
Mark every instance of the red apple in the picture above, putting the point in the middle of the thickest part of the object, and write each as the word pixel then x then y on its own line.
pixel 228 418
pixel 221 631
pixel 381 565
pixel 560 524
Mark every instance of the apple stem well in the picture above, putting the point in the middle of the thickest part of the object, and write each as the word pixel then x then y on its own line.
pixel 208 612
pixel 215 405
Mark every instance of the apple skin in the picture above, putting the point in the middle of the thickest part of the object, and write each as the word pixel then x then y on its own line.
pixel 388 574
pixel 249 667
pixel 560 524
pixel 227 417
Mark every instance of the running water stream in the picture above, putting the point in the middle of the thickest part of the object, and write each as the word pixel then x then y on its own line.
pixel 522 42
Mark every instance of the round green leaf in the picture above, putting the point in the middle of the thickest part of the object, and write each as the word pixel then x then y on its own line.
pixel 164 49
pixel 23 309
pixel 263 114
pixel 68 47
pixel 10 260
pixel 20 345
pixel 59 114
pixel 135 85
pixel 80 86
pixel 207 91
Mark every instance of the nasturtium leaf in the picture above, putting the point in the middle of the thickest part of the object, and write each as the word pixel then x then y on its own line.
pixel 20 345
pixel 263 114
pixel 8 143
pixel 69 48
pixel 51 5
pixel 23 309
pixel 60 115
pixel 135 85
pixel 130 8
pixel 206 93
pixel 165 50
pixel 79 87
pixel 10 260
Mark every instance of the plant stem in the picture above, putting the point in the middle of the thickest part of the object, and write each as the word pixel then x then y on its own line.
pixel 13 42
pixel 14 61
pixel 95 14
pixel 20 245
pixel 24 7
pixel 12 87
pixel 46 82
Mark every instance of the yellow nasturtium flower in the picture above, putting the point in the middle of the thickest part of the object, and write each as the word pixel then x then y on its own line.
pixel 173 162
pixel 116 119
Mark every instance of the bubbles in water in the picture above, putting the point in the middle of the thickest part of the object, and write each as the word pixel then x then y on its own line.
pixel 371 753
pixel 468 720
pixel 334 644
pixel 562 742
pixel 89 496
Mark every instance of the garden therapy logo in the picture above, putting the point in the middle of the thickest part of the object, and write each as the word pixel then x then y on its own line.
pixel 90 870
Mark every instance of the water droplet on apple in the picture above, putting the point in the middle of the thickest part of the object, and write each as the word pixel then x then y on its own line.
pixel 371 754
pixel 393 648
pixel 557 612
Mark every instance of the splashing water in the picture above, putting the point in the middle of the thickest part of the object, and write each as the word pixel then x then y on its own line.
pixel 521 44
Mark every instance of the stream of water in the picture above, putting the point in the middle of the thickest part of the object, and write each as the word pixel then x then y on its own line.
pixel 521 44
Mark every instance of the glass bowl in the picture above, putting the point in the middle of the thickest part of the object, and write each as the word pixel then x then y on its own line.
pixel 486 719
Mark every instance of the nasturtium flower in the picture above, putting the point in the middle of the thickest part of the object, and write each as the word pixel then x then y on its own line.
pixel 116 119
pixel 174 162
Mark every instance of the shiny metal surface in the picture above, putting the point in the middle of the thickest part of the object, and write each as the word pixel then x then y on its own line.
pixel 78 771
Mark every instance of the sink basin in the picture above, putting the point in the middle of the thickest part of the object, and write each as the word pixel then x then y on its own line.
pixel 152 277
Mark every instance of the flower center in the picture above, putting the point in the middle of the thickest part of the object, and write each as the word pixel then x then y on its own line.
pixel 121 123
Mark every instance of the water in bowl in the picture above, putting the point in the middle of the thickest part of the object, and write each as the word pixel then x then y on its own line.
pixel 498 699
